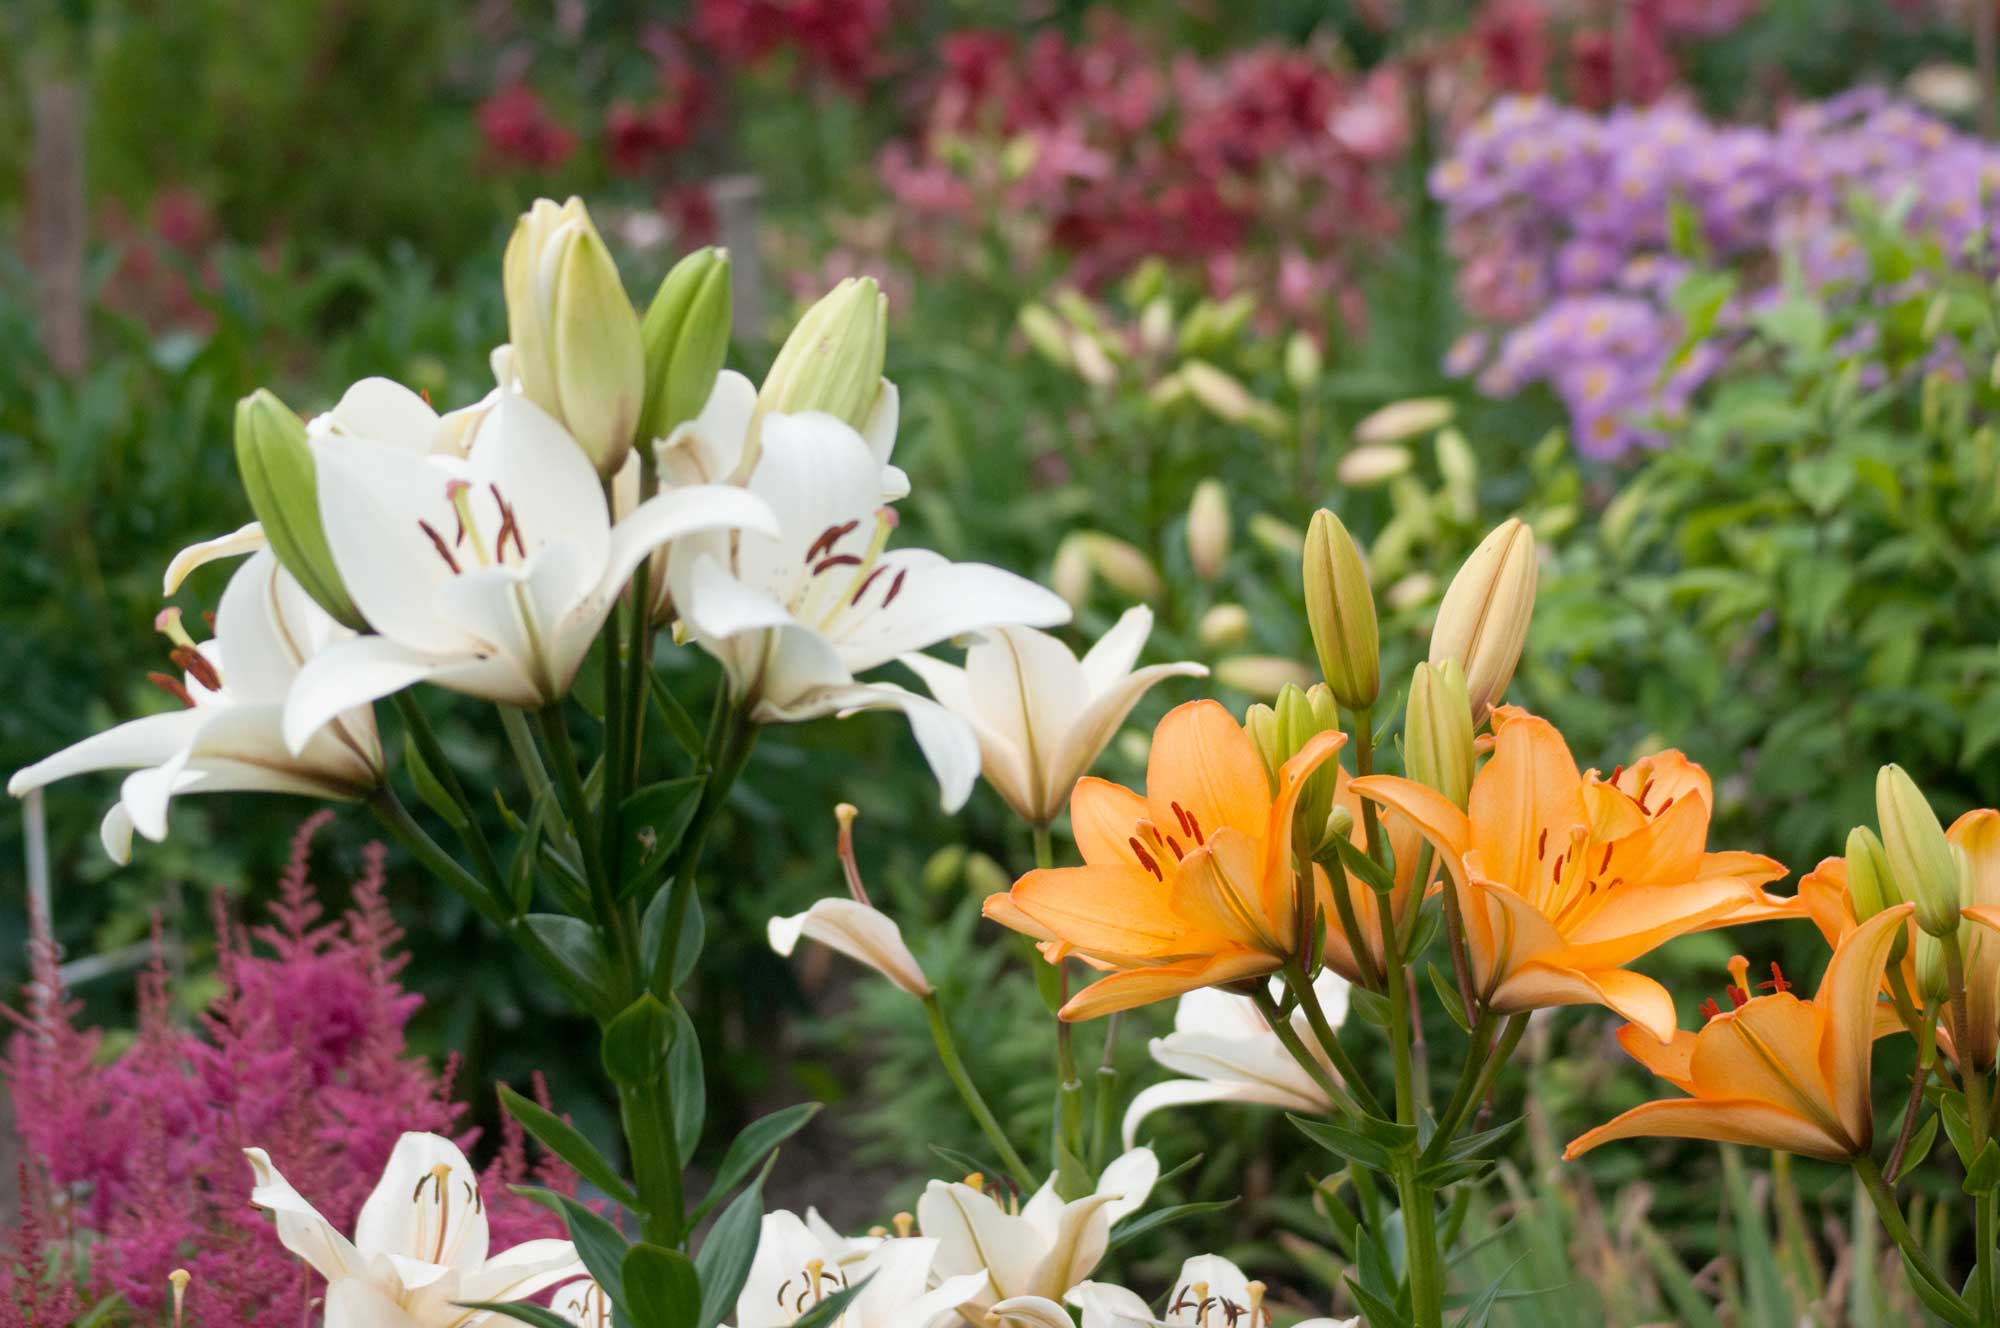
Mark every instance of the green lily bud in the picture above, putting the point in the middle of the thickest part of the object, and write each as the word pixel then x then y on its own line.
pixel 1279 538
pixel 1483 621
pixel 1046 333
pixel 833 360
pixel 1871 886
pixel 1224 625
pixel 1304 714
pixel 1460 470
pixel 1933 971
pixel 1208 529
pixel 575 335
pixel 1303 362
pixel 1340 608
pixel 1919 856
pixel 276 465
pixel 686 337
pixel 1261 723
pixel 1226 398
pixel 1437 730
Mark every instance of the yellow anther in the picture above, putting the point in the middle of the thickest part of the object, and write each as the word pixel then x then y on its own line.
pixel 1255 1292
pixel 180 1278
pixel 905 1223
pixel 878 1231
pixel 976 1181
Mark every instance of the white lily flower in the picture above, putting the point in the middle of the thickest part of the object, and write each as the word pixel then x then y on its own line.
pixel 1043 1250
pixel 796 616
pixel 229 737
pixel 860 932
pixel 1211 1292
pixel 1042 716
pixel 419 1244
pixel 378 409
pixel 583 1304
pixel 1229 1054
pixel 713 447
pixel 489 575
pixel 799 1263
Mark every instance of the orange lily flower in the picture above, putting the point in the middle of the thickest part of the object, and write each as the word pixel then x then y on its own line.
pixel 1776 1071
pixel 1188 885
pixel 1361 958
pixel 1824 892
pixel 1564 878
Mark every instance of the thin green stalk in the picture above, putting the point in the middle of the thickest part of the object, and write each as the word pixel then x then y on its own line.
pixel 1899 1231
pixel 1104 1095
pixel 1350 922
pixel 1288 1036
pixel 1322 1029
pixel 732 737
pixel 1986 1297
pixel 1919 1079
pixel 656 1163
pixel 1069 1084
pixel 638 665
pixel 396 819
pixel 610 916
pixel 1362 726
pixel 947 1049
pixel 611 844
pixel 1420 1245
pixel 432 750
pixel 1478 1049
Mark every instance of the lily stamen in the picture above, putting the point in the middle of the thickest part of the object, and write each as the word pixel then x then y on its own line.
pixel 456 491
pixel 197 666
pixel 172 687
pixel 167 622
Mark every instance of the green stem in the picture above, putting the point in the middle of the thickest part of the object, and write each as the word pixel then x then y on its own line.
pixel 1926 1057
pixel 396 819
pixel 656 1162
pixel 947 1049
pixel 1069 1084
pixel 1322 1030
pixel 1362 726
pixel 1478 1050
pixel 1104 1095
pixel 610 916
pixel 1899 1231
pixel 432 750
pixel 731 738
pixel 1420 1245
pixel 611 844
pixel 1288 1036
pixel 1986 1297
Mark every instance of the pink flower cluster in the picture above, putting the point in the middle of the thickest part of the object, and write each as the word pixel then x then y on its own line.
pixel 1625 54
pixel 1562 223
pixel 1262 168
pixel 840 39
pixel 520 131
pixel 302 1054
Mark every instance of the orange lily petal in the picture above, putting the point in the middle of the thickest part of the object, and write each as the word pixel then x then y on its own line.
pixel 1205 763
pixel 1416 807
pixel 1612 812
pixel 1142 986
pixel 1638 998
pixel 1102 817
pixel 1845 1002
pixel 1986 917
pixel 1668 849
pixel 1530 785
pixel 1110 911
pixel 1669 1060
pixel 1216 892
pixel 1823 895
pixel 1634 919
pixel 1520 932
pixel 1978 833
pixel 1002 909
pixel 1280 882
pixel 1655 779
pixel 1725 1120
pixel 1768 1050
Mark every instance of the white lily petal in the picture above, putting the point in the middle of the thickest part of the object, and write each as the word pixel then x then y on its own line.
pixel 946 741
pixel 785 1245
pixel 1092 729
pixel 301 1229
pixel 384 411
pixel 375 501
pixel 139 742
pixel 1225 1282
pixel 265 627
pixel 515 1274
pixel 716 604
pixel 349 674
pixel 1107 1306
pixel 353 1302
pixel 879 430
pixel 545 477
pixel 1105 663
pixel 927 1310
pixel 1001 759
pixel 708 448
pixel 919 598
pixel 1128 1181
pixel 1031 1312
pixel 1251 1060
pixel 974 1234
pixel 823 486
pixel 1187 1092
pixel 425 1206
pixel 1026 684
pixel 115 833
pixel 242 540
pixel 1082 1235
pixel 677 512
pixel 861 933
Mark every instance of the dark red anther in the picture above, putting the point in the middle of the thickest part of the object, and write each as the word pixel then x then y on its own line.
pixel 1663 807
pixel 1541 844
pixel 867 581
pixel 1710 1009
pixel 1644 789
pixel 829 537
pixel 895 588
pixel 437 542
pixel 1777 982
pixel 172 687
pixel 1146 859
pixel 1616 771
pixel 1737 996
pixel 509 525
pixel 835 560
pixel 1603 866
pixel 1175 849
pixel 196 665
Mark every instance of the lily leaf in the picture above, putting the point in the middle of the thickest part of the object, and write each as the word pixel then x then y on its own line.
pixel 747 1150
pixel 561 1138
pixel 662 1288
pixel 724 1260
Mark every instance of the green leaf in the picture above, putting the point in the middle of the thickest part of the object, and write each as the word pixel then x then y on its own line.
pixel 1957 1126
pixel 1481 1306
pixel 1160 1217
pixel 1374 1307
pixel 685 1083
pixel 1935 1300
pixel 561 1138
pixel 597 1242
pixel 654 820
pixel 639 1041
pixel 521 872
pixel 653 934
pixel 1690 1306
pixel 662 1288
pixel 678 721
pixel 1983 1176
pixel 575 945
pixel 430 788
pixel 1446 987
pixel 1372 873
pixel 519 1312
pixel 1353 1146
pixel 724 1261
pixel 1370 1006
pixel 1919 1149
pixel 747 1150
pixel 829 1310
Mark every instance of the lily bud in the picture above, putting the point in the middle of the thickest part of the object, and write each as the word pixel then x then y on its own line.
pixel 1070 574
pixel 1460 470
pixel 1208 529
pixel 1919 856
pixel 1372 464
pixel 1261 675
pixel 1122 565
pixel 1340 608
pixel 1224 625
pixel 1156 326
pixel 276 465
pixel 574 333
pixel 833 360
pixel 1260 721
pixel 1226 398
pixel 1303 362
pixel 1304 714
pixel 1437 731
pixel 1046 333
pixel 1933 972
pixel 686 337
pixel 1277 537
pixel 1871 886
pixel 1483 621
pixel 1400 420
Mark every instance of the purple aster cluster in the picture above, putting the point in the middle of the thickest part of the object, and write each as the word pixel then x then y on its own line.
pixel 1563 224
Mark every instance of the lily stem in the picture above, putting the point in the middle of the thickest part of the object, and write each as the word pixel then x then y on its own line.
pixel 1986 1299
pixel 611 916
pixel 432 751
pixel 1322 1029
pixel 1363 724
pixel 1421 1246
pixel 1069 1084
pixel 1288 1036
pixel 954 1066
pixel 1104 1095
pixel 1926 1057
pixel 396 819
pixel 1899 1231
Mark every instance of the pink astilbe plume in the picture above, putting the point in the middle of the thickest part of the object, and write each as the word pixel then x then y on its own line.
pixel 302 1053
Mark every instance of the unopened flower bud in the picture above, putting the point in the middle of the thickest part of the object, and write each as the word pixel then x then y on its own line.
pixel 1303 362
pixel 1372 464
pixel 1211 325
pixel 1070 574
pixel 984 876
pixel 686 337
pixel 1260 721
pixel 1304 714
pixel 1340 608
pixel 1261 675
pixel 1122 566
pixel 1933 970
pixel 1871 886
pixel 1156 326
pixel 1919 856
pixel 1401 420
pixel 1224 625
pixel 832 361
pixel 276 465
pixel 1225 397
pixel 1092 360
pixel 1278 537
pixel 1460 471
pixel 575 337
pixel 1483 621
pixel 1437 731
pixel 1208 529
pixel 1046 333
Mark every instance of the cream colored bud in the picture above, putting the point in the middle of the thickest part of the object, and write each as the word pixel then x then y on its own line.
pixel 1401 420
pixel 1340 609
pixel 1871 886
pixel 832 361
pixel 1046 333
pixel 1156 326
pixel 1437 731
pixel 575 336
pixel 1278 537
pixel 1409 591
pixel 1303 362
pixel 1261 675
pixel 1070 574
pixel 1920 857
pixel 1373 464
pixel 1092 361
pixel 1122 565
pixel 1224 625
pixel 1483 621
pixel 1460 471
pixel 1225 396
pixel 1260 721
pixel 1208 529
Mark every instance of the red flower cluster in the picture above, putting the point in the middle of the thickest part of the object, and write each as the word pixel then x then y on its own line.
pixel 635 136
pixel 1261 167
pixel 519 131
pixel 840 39
pixel 1627 59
